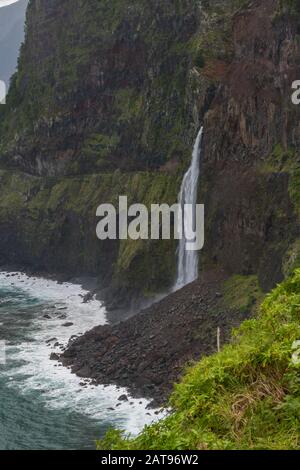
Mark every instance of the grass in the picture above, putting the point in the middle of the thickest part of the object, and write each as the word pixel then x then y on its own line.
pixel 242 293
pixel 245 397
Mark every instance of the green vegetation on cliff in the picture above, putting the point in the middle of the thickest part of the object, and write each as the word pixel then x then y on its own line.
pixel 291 6
pixel 110 89
pixel 50 223
pixel 245 397
pixel 118 89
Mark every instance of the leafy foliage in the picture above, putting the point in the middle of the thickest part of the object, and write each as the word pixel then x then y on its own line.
pixel 245 397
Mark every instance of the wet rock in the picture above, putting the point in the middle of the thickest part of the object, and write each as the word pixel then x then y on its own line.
pixel 54 357
pixel 181 329
pixel 51 340
pixel 83 372
pixel 123 398
pixel 87 297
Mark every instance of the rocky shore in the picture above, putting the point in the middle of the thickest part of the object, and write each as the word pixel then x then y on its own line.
pixel 148 352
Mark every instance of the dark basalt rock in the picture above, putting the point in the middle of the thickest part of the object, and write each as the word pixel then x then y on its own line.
pixel 54 357
pixel 148 352
pixel 142 101
pixel 123 398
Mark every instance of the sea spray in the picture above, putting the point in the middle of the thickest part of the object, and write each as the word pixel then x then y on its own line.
pixel 38 318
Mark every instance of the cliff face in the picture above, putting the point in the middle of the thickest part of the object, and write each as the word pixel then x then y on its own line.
pixel 102 85
pixel 108 100
pixel 252 146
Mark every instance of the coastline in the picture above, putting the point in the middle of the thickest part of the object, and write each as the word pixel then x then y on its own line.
pixel 145 354
pixel 115 310
pixel 57 313
pixel 148 352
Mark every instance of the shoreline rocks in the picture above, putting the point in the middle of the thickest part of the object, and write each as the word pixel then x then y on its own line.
pixel 148 352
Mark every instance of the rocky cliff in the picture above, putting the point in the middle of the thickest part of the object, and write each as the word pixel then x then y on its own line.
pixel 252 139
pixel 109 91
pixel 108 99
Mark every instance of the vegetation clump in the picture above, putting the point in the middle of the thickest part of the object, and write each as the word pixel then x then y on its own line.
pixel 245 397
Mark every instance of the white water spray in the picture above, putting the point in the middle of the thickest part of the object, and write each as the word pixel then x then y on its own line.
pixel 29 367
pixel 188 260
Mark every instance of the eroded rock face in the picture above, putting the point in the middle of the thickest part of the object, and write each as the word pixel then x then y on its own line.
pixel 122 88
pixel 102 85
pixel 253 111
pixel 252 137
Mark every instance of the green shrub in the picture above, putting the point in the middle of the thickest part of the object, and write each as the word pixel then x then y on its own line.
pixel 245 397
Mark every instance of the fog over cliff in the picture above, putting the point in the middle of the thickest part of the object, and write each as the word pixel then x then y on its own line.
pixel 12 18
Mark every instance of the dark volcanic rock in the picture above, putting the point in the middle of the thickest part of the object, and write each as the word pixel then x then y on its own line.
pixel 247 195
pixel 142 100
pixel 123 398
pixel 88 297
pixel 54 357
pixel 147 353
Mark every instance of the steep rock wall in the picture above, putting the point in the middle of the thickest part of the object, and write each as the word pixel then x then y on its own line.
pixel 252 137
pixel 101 85
pixel 113 108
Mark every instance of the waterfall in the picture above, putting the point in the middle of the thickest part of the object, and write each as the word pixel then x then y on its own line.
pixel 187 270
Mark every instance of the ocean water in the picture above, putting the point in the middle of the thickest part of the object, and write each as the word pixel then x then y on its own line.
pixel 43 405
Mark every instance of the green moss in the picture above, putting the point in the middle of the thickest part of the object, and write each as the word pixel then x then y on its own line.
pixel 242 293
pixel 56 217
pixel 147 263
pixel 285 161
pixel 99 147
pixel 280 160
pixel 245 397
pixel 132 119
pixel 215 40
pixel 294 189
pixel 129 104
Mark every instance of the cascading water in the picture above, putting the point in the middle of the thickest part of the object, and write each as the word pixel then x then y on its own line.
pixel 188 260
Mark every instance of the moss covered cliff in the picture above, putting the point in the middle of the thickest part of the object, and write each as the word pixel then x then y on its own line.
pixel 49 224
pixel 107 101
pixel 101 85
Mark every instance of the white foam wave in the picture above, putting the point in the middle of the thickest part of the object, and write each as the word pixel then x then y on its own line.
pixel 31 368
